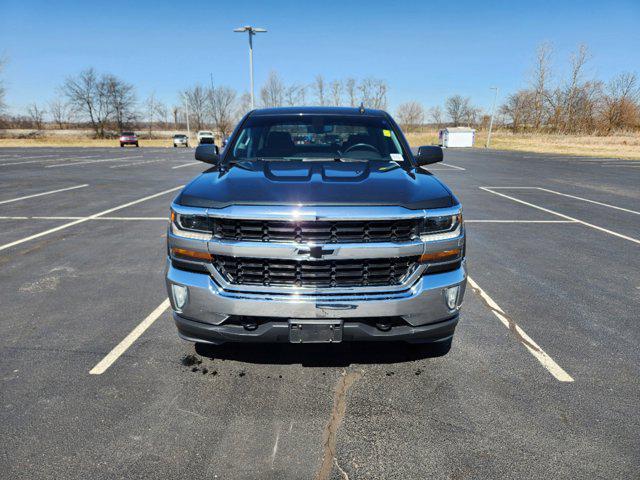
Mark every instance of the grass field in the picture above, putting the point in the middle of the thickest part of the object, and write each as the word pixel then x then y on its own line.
pixel 622 145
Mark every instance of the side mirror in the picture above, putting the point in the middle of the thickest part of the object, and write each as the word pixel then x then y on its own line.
pixel 208 154
pixel 428 154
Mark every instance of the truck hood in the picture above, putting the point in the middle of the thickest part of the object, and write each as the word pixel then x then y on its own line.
pixel 316 183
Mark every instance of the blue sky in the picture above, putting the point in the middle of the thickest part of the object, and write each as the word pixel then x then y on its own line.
pixel 425 50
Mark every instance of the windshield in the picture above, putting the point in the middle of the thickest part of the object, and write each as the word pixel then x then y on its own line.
pixel 128 134
pixel 316 137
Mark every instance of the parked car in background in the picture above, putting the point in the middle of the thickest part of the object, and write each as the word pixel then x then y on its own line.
pixel 128 138
pixel 180 140
pixel 205 134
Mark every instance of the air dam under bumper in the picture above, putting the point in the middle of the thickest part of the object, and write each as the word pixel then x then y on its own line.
pixel 422 306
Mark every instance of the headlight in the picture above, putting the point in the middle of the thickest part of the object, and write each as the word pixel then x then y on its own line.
pixel 197 227
pixel 441 227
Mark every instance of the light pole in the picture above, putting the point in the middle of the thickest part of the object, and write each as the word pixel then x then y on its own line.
pixel 493 108
pixel 251 31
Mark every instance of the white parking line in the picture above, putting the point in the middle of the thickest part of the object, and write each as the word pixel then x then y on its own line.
pixel 623 165
pixel 562 215
pixel 127 341
pixel 29 157
pixel 545 360
pixel 187 165
pixel 577 198
pixel 56 159
pixel 164 219
pixel 43 193
pixel 93 161
pixel 519 221
pixel 133 164
pixel 86 219
pixel 452 166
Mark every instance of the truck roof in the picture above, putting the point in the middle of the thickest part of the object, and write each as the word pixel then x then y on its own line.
pixel 318 111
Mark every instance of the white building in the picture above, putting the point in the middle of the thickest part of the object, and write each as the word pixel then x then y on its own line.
pixel 457 137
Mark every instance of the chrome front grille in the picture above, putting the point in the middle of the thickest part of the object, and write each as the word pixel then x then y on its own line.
pixel 322 273
pixel 402 230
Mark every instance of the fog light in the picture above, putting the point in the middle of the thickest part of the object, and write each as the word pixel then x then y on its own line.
pixel 451 296
pixel 180 295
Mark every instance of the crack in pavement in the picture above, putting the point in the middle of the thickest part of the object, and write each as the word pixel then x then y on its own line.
pixel 329 436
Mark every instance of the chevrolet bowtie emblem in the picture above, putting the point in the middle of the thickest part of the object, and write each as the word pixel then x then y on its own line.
pixel 315 251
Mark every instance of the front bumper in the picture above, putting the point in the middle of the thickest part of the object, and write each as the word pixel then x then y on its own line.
pixel 278 332
pixel 422 306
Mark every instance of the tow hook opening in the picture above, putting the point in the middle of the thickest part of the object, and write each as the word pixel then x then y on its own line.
pixel 383 326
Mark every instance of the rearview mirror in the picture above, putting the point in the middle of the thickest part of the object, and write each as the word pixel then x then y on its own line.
pixel 428 154
pixel 208 154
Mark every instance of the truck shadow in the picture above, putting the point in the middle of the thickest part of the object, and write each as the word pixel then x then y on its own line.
pixel 316 355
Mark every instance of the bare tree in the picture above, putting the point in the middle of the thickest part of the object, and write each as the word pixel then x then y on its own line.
pixel 294 95
pixel 457 109
pixel 319 89
pixel 3 90
pixel 36 114
pixel 518 108
pixel 59 112
pixel 373 93
pixel 196 98
pixel 175 114
pixel 539 83
pixel 620 107
pixel 151 108
pixel 435 113
pixel 162 113
pixel 222 103
pixel 336 93
pixel 471 115
pixel 244 104
pixel 379 98
pixel 122 98
pixel 350 89
pixel 410 115
pixel 88 95
pixel 272 92
pixel 574 86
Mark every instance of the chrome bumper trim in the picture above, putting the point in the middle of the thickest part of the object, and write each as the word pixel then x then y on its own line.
pixel 303 212
pixel 422 303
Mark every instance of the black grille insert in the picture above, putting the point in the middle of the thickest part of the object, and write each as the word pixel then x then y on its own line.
pixel 315 231
pixel 324 273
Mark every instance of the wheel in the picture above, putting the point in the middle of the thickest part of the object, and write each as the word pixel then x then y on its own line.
pixel 175 146
pixel 122 145
pixel 137 146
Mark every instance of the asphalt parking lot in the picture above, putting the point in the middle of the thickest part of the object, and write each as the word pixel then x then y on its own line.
pixel 543 379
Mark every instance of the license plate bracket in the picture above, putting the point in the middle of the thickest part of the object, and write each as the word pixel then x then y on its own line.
pixel 315 331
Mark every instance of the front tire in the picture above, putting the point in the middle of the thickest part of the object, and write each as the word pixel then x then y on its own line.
pixel 122 145
pixel 137 146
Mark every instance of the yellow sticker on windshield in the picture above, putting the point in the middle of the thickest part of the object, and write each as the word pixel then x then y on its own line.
pixel 387 133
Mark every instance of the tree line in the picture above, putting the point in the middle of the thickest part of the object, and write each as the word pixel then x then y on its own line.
pixel 575 103
pixel 108 104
